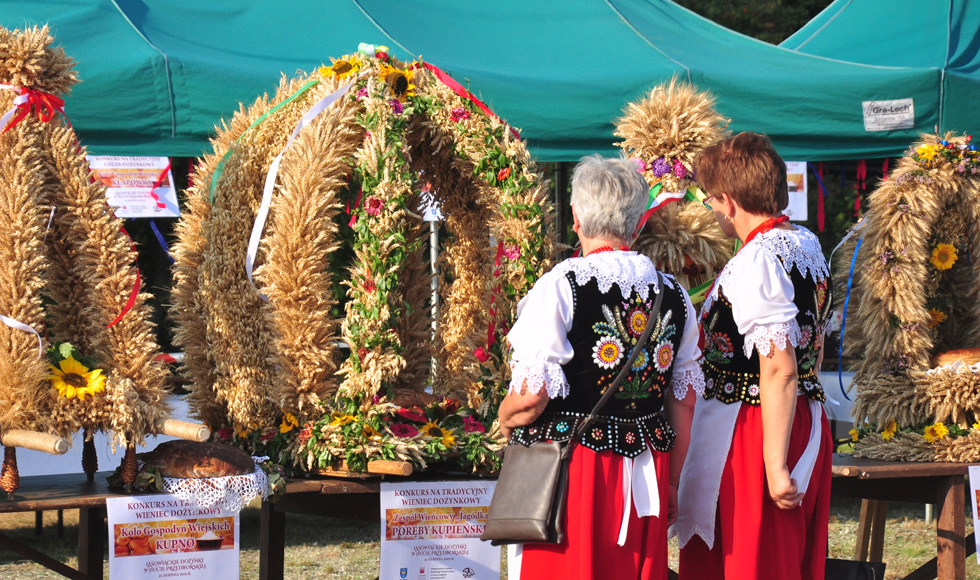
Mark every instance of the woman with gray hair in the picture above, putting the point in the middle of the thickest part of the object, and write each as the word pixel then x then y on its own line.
pixel 574 333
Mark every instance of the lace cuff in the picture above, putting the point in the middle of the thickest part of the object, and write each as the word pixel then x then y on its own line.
pixel 763 336
pixel 687 377
pixel 538 373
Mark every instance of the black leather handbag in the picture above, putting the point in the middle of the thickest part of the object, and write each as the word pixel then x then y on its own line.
pixel 528 504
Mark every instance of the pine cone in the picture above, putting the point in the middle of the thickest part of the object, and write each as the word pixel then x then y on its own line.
pixel 129 468
pixel 90 459
pixel 9 476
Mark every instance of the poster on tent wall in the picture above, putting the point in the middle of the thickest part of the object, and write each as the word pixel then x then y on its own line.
pixel 796 182
pixel 431 531
pixel 975 500
pixel 162 536
pixel 137 186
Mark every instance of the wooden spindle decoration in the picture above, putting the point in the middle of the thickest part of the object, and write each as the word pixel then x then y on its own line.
pixel 90 459
pixel 9 476
pixel 129 468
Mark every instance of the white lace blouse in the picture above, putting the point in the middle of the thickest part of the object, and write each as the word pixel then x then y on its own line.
pixel 540 336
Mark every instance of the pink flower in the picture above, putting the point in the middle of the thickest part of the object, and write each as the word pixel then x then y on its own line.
pixel 361 353
pixel 503 174
pixel 679 169
pixel 367 135
pixel 471 425
pixel 369 285
pixel 412 415
pixel 404 430
pixel 458 114
pixel 512 252
pixel 396 106
pixel 267 436
pixel 641 165
pixel 373 206
pixel 481 354
pixel 362 93
pixel 225 434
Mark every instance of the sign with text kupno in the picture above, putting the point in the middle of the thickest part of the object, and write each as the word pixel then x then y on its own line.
pixel 160 536
pixel 431 531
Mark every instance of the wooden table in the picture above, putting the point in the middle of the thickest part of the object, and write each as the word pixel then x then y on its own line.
pixel 67 491
pixel 943 484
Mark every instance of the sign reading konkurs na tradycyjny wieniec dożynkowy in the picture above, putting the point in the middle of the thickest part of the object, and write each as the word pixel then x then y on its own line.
pixel 431 531
pixel 161 536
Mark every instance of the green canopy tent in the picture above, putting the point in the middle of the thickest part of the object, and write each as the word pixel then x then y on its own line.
pixel 158 76
pixel 941 36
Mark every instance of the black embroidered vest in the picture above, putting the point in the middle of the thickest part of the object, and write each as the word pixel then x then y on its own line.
pixel 730 376
pixel 605 327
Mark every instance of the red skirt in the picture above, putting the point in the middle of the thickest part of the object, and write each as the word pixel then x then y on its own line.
pixel 754 539
pixel 595 512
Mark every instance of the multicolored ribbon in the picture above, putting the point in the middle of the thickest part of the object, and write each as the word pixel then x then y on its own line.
pixel 463 92
pixel 44 105
pixel 270 178
pixel 220 167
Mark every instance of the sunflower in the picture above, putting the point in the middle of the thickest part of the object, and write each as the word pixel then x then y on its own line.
pixel 340 68
pixel 889 431
pixel 943 256
pixel 74 379
pixel 936 317
pixel 935 432
pixel 434 431
pixel 289 423
pixel 339 420
pixel 399 81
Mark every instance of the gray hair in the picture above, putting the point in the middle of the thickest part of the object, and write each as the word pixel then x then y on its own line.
pixel 609 196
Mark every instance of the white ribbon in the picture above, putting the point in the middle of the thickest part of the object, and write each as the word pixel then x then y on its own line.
pixel 26 328
pixel 640 489
pixel 270 180
pixel 18 101
pixel 804 465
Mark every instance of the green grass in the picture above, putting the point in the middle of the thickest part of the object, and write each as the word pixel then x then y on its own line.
pixel 327 548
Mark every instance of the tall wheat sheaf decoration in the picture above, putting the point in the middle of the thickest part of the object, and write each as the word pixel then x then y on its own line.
pixel 893 324
pixel 355 172
pixel 66 269
pixel 675 122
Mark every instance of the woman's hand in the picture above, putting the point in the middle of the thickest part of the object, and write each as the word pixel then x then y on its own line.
pixel 519 409
pixel 783 489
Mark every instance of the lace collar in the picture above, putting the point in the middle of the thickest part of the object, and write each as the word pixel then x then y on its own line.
pixel 632 271
pixel 797 248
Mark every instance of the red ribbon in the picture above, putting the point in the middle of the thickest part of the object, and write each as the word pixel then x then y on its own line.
pixel 884 169
pixel 158 183
pixel 462 91
pixel 136 287
pixel 862 174
pixel 44 105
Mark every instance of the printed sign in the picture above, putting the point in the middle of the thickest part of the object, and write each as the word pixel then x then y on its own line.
pixel 796 182
pixel 888 115
pixel 161 536
pixel 431 531
pixel 975 500
pixel 130 182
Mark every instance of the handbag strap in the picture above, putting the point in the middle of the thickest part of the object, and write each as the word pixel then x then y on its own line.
pixel 647 330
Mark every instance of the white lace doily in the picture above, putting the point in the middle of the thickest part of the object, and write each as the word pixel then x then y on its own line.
pixel 954 367
pixel 231 493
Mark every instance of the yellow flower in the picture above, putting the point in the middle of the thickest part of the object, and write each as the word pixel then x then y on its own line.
pixel 927 151
pixel 341 420
pixel 74 379
pixel 341 68
pixel 430 429
pixel 936 432
pixel 943 256
pixel 370 432
pixel 854 434
pixel 289 423
pixel 241 431
pixel 976 425
pixel 936 317
pixel 889 431
pixel 398 80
